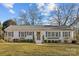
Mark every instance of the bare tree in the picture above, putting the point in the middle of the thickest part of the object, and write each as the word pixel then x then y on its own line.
pixel 66 15
pixel 30 17
pixel 23 19
pixel 33 16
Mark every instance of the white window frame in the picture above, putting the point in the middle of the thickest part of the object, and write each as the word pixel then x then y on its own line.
pixel 24 34
pixel 10 34
pixel 52 35
pixel 66 34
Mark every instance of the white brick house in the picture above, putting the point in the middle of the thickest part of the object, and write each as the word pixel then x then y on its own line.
pixel 39 33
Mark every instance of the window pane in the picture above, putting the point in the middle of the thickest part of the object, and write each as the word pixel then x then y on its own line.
pixel 59 34
pixel 5 33
pixel 66 34
pixel 56 34
pixel 12 34
pixel 46 34
pixel 19 34
pixel 53 34
pixel 25 34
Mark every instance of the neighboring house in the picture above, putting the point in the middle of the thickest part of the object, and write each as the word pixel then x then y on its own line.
pixel 39 33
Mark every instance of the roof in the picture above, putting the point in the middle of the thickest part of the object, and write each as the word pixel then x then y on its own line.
pixel 33 27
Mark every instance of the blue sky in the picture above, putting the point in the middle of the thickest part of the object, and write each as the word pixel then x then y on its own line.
pixel 11 10
pixel 5 12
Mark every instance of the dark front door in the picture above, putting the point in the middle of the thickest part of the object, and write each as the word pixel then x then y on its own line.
pixel 38 35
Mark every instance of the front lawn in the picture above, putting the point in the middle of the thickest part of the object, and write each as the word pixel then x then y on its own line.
pixel 24 49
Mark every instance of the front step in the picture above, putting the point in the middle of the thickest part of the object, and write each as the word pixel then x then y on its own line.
pixel 38 42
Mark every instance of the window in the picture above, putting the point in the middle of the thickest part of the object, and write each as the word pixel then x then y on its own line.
pixel 5 33
pixel 49 34
pixel 56 34
pixel 29 33
pixel 11 34
pixel 21 34
pixel 46 34
pixel 66 34
pixel 59 34
pixel 52 34
pixel 24 34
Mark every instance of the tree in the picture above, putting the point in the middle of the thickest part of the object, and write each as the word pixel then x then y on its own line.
pixel 66 15
pixel 23 19
pixel 33 16
pixel 8 23
pixel 30 17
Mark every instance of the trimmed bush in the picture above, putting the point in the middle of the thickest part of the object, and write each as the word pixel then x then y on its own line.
pixel 31 41
pixel 52 41
pixel 59 41
pixel 45 41
pixel 23 40
pixel 56 41
pixel 15 40
pixel 49 41
pixel 74 41
pixel 65 41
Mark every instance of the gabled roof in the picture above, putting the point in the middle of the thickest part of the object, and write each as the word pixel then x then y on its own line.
pixel 33 27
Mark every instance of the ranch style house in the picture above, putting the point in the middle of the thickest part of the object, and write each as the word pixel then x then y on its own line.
pixel 39 33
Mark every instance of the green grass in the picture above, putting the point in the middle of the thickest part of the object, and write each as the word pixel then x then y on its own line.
pixel 31 49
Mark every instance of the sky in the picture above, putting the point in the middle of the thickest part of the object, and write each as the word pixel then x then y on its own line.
pixel 12 10
pixel 8 11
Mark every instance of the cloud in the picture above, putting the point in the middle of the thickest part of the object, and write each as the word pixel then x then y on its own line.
pixel 51 7
pixel 46 8
pixel 11 11
pixel 9 6
pixel 40 5
pixel 23 10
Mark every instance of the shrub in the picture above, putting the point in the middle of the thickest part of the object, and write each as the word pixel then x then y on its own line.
pixel 23 40
pixel 31 41
pixel 15 40
pixel 52 41
pixel 74 41
pixel 59 41
pixel 45 41
pixel 56 41
pixel 49 41
pixel 65 41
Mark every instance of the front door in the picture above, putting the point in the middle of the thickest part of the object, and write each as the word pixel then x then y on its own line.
pixel 38 35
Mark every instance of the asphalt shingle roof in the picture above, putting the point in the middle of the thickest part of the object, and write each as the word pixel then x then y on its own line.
pixel 44 27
